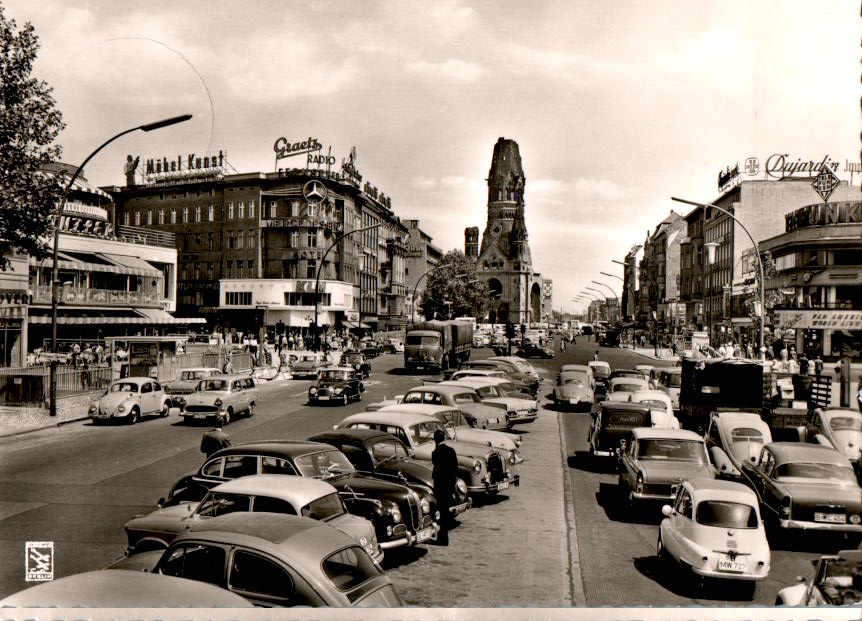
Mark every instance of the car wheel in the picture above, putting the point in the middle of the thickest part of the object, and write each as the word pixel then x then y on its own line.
pixel 660 550
pixel 166 406
pixel 345 399
pixel 251 407
pixel 227 416
pixel 135 416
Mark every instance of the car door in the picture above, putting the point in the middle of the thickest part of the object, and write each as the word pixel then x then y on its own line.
pixel 147 398
pixel 671 533
pixel 240 396
pixel 266 581
pixel 627 465
pixel 158 395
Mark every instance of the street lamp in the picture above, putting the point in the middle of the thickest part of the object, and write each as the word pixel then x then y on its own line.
pixel 756 254
pixel 55 288
pixel 317 278
pixel 603 299
pixel 609 289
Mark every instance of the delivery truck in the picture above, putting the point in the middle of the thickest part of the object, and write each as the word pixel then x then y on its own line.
pixel 437 344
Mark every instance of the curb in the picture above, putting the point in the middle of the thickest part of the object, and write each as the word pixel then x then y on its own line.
pixel 21 432
pixel 576 594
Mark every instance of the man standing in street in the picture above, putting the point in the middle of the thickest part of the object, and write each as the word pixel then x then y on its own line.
pixel 215 439
pixel 445 472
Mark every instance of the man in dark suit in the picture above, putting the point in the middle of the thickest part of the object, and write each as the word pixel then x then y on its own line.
pixel 215 439
pixel 445 472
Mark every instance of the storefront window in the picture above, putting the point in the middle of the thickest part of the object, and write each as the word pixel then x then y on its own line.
pixel 848 297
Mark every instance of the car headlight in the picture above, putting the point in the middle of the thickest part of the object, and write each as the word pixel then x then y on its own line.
pixel 855 519
pixel 395 513
pixel 217 403
pixel 639 485
pixel 312 390
pixel 338 391
pixel 363 541
pixel 461 487
pixel 426 506
pixel 121 407
pixel 92 407
pixel 477 466
pixel 518 442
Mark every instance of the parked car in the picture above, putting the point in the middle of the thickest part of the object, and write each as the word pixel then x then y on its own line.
pixel 645 370
pixel 653 461
pixel 336 384
pixel 523 381
pixel 129 400
pixel 840 428
pixel 274 560
pixel 188 381
pixel 612 423
pixel 260 492
pixel 627 373
pixel 393 346
pixel 573 389
pixel 714 529
pixel 307 364
pixel 401 516
pixel 622 388
pixel 222 397
pixel 660 406
pixel 601 374
pixel 383 455
pixel 668 379
pixel 805 486
pixel 483 469
pixel 356 360
pixel 121 588
pixel 520 408
pixel 463 431
pixel 500 378
pixel 733 438
pixel 529 349
pixel 481 415
pixel 837 581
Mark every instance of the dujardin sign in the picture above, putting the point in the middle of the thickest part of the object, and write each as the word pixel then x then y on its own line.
pixel 781 165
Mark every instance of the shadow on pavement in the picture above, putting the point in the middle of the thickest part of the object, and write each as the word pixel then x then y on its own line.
pixel 682 582
pixel 552 406
pixel 583 460
pixel 486 500
pixel 398 557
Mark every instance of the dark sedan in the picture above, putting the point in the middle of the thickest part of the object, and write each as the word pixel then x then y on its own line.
pixel 338 384
pixel 533 350
pixel 357 360
pixel 401 516
pixel 383 454
pixel 613 423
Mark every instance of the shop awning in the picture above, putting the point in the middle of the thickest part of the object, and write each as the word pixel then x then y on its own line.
pixel 133 265
pixel 157 315
pixel 109 263
pixel 148 316
pixel 352 324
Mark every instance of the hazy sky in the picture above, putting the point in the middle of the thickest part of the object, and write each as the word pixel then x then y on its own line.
pixel 616 106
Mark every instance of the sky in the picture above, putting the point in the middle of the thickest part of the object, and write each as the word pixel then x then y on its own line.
pixel 616 106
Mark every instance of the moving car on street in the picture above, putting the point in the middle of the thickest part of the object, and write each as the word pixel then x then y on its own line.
pixel 307 364
pixel 668 379
pixel 733 438
pixel 129 400
pixel 222 397
pixel 654 461
pixel 529 349
pixel 519 409
pixel 336 384
pixel 660 406
pixel 714 530
pixel 612 423
pixel 622 388
pixel 272 493
pixel 601 373
pixel 188 381
pixel 840 428
pixel 837 581
pixel 573 390
pixel 356 360
pixel 274 560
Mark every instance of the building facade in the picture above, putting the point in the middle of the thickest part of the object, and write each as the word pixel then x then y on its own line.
pixel 421 257
pixel 504 258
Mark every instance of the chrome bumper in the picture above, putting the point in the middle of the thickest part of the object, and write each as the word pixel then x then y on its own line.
pixel 824 526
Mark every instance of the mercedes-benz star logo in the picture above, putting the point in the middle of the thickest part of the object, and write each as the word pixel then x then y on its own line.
pixel 314 191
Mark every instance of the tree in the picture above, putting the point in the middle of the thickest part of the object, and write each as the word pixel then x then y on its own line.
pixel 454 289
pixel 29 124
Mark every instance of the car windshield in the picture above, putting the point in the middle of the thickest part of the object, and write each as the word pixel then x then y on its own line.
pixel 626 387
pixel 666 449
pixel 219 504
pixel 726 514
pixel 213 384
pixel 572 381
pixel 349 568
pixel 324 464
pixel 422 340
pixel 354 357
pixel 601 371
pixel 324 508
pixel 487 391
pixel 466 397
pixel 814 470
pixel 124 387
pixel 334 375
pixel 845 423
pixel 421 433
pixel 193 375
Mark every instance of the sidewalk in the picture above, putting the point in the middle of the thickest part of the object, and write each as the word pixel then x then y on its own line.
pixel 649 352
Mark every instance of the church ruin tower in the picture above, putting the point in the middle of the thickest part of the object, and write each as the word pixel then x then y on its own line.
pixel 504 256
pixel 471 242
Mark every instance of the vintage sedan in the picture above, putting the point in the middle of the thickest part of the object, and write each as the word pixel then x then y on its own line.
pixel 654 461
pixel 520 408
pixel 483 469
pixel 120 588
pixel 837 581
pixel 462 429
pixel 839 428
pixel 189 380
pixel 669 379
pixel 713 529
pixel 660 405
pixel 601 374
pixel 401 516
pixel 260 492
pixel 338 385
pixel 307 364
pixel 628 373
pixel 481 415
pixel 511 386
pixel 805 487
pixel 612 422
pixel 356 360
pixel 529 349
pixel 519 377
pixel 273 560
pixel 621 388
pixel 130 399
pixel 222 397
pixel 573 389
pixel 733 438
pixel 384 455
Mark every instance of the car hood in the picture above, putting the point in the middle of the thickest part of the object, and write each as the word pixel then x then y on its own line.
pixel 672 470
pixel 484 411
pixel 305 364
pixel 620 395
pixel 414 470
pixel 168 520
pixel 354 526
pixel 366 485
pixel 113 399
pixel 485 437
pixel 321 383
pixel 849 442
pixel 821 492
pixel 464 450
pixel 205 397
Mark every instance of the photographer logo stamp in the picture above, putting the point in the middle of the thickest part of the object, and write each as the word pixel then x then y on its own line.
pixel 39 561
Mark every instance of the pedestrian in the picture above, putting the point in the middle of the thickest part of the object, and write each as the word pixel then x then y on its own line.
pixel 228 366
pixel 290 342
pixel 215 439
pixel 596 356
pixel 444 474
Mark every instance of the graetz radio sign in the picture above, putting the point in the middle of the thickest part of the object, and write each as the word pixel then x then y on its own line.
pixel 284 149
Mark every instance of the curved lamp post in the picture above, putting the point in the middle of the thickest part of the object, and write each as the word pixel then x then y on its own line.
pixel 148 127
pixel 317 278
pixel 603 299
pixel 609 289
pixel 756 254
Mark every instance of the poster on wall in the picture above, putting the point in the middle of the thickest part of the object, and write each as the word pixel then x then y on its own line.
pixel 143 359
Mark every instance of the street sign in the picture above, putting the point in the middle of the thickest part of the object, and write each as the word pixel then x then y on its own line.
pixel 825 182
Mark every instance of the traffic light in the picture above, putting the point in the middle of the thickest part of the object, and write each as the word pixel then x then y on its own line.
pixel 523 329
pixel 510 330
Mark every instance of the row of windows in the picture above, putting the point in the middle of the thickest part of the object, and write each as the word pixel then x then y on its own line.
pixel 237 298
pixel 719 230
pixel 305 298
pixel 186 215
pixel 235 240
pixel 241 239
pixel 199 271
pixel 297 209
pixel 239 272
pixel 241 211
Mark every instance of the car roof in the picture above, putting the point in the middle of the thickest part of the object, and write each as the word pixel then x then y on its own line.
pixel 598 363
pixel 134 380
pixel 657 395
pixel 399 419
pixel 479 372
pixel 835 412
pixel 703 488
pixel 228 376
pixel 442 388
pixel 624 405
pixel 354 435
pixel 574 367
pixel 283 448
pixel 351 369
pixel 740 419
pixel 798 451
pixel 658 433
pixel 467 382
pixel 625 379
pixel 298 490
pixel 428 409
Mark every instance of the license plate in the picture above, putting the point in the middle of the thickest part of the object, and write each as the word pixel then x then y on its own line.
pixel 734 566
pixel 503 485
pixel 492 420
pixel 424 534
pixel 323 398
pixel 831 518
pixel 573 401
pixel 200 415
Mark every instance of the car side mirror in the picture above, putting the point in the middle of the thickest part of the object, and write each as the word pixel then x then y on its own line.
pixel 666 510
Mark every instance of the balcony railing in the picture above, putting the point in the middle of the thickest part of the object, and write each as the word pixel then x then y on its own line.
pixel 97 297
pixel 149 237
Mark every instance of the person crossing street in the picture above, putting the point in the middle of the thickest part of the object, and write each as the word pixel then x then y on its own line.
pixel 444 473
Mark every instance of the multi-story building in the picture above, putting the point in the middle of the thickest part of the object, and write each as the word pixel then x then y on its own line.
pixel 256 250
pixel 691 270
pixel 629 297
pixel 658 275
pixel 421 257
